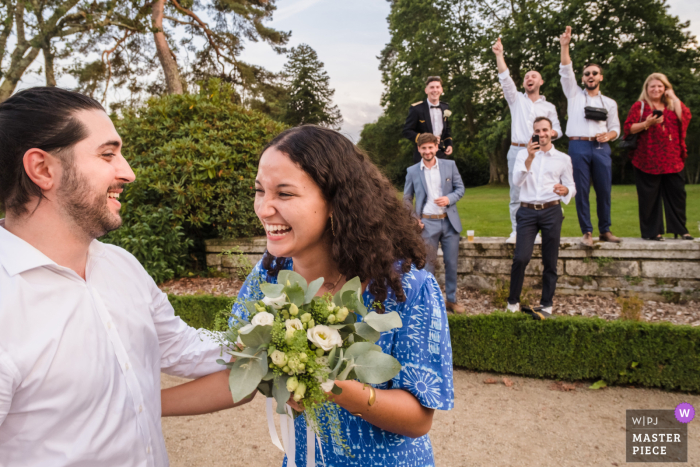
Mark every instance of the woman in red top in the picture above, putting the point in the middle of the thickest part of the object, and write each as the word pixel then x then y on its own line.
pixel 662 121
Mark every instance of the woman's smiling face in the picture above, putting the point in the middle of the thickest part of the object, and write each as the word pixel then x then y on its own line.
pixel 290 206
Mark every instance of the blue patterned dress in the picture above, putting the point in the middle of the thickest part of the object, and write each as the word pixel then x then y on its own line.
pixel 423 348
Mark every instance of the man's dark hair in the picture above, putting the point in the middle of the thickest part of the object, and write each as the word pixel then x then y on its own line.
pixel 424 138
pixel 433 78
pixel 542 119
pixel 42 118
pixel 600 68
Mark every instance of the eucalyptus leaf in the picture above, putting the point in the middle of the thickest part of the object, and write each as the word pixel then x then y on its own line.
pixel 243 354
pixel 313 289
pixel 256 337
pixel 250 306
pixel 295 294
pixel 384 322
pixel 366 331
pixel 269 376
pixel 271 290
pixel 348 368
pixel 336 326
pixel 280 393
pixel 353 284
pixel 376 367
pixel 265 387
pixel 293 278
pixel 361 348
pixel 336 365
pixel 263 363
pixel 244 378
pixel 351 318
pixel 337 390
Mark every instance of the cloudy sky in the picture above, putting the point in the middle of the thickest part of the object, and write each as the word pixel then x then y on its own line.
pixel 348 36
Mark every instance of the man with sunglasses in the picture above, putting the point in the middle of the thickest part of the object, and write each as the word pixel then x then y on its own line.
pixel 524 109
pixel 430 116
pixel 593 122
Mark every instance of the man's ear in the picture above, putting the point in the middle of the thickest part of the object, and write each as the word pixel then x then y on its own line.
pixel 601 76
pixel 41 168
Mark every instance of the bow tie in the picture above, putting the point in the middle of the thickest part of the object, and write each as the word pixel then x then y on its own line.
pixel 434 106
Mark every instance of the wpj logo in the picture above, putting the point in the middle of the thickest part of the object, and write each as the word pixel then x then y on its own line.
pixel 658 435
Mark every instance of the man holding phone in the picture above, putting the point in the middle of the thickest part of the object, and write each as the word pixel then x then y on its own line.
pixel 593 122
pixel 524 109
pixel 545 178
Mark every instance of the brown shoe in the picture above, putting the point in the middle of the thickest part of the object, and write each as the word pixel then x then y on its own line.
pixel 609 237
pixel 587 240
pixel 455 308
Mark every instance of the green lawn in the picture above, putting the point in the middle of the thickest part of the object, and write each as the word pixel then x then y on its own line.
pixel 485 210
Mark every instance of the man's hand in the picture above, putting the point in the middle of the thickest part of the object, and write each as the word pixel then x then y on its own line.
pixel 604 137
pixel 438 138
pixel 532 148
pixel 422 225
pixel 565 39
pixel 561 190
pixel 498 48
pixel 442 201
pixel 448 150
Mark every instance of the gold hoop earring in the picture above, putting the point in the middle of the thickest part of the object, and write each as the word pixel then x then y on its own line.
pixel 332 228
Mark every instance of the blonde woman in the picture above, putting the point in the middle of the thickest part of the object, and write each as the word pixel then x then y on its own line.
pixel 661 120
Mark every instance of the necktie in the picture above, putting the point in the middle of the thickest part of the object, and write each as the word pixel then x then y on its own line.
pixel 434 106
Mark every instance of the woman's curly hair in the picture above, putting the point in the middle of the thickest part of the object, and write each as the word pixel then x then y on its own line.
pixel 376 237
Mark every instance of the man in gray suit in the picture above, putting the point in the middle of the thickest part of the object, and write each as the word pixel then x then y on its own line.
pixel 437 186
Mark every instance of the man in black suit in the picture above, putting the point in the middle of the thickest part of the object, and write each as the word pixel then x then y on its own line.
pixel 430 116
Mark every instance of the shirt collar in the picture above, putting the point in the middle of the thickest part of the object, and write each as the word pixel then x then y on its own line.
pixel 18 256
pixel 424 167
pixel 429 104
pixel 541 98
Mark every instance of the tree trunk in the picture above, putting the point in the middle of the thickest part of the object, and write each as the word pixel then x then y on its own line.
pixel 172 75
pixel 48 65
pixel 498 163
pixel 16 70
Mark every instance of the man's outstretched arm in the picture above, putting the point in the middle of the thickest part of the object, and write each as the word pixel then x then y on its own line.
pixel 204 395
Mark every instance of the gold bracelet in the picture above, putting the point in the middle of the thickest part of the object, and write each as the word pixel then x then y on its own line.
pixel 372 395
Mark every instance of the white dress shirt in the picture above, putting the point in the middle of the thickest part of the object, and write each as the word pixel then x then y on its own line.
pixel 432 179
pixel 523 111
pixel 578 99
pixel 436 119
pixel 80 360
pixel 547 169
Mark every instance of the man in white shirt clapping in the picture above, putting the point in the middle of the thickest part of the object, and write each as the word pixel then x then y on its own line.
pixel 524 109
pixel 593 122
pixel 84 330
pixel 545 178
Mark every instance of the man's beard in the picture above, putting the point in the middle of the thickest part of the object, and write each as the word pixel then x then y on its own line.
pixel 591 87
pixel 86 208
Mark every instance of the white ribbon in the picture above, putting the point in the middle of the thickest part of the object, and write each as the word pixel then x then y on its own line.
pixel 288 444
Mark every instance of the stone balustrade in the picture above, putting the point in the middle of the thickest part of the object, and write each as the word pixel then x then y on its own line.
pixel 652 270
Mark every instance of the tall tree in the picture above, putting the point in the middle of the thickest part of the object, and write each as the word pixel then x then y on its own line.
pixel 309 95
pixel 452 38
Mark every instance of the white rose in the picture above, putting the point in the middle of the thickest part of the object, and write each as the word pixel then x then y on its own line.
pixel 328 385
pixel 279 358
pixel 263 319
pixel 294 324
pixel 276 303
pixel 324 337
pixel 447 113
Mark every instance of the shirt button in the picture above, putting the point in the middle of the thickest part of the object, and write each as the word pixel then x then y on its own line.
pixel 126 367
pixel 109 325
pixel 140 408
pixel 148 450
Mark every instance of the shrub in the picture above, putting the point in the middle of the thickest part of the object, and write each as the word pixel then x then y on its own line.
pixel 568 348
pixel 202 311
pixel 631 308
pixel 195 159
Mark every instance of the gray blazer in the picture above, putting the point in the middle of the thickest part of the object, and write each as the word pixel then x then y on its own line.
pixel 452 187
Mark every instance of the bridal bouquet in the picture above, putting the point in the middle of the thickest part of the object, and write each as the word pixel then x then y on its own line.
pixel 296 345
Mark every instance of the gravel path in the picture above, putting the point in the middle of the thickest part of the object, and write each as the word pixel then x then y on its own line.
pixel 531 422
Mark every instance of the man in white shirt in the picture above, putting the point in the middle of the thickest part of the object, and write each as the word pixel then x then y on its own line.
pixel 84 330
pixel 524 109
pixel 545 177
pixel 589 131
pixel 430 116
pixel 437 186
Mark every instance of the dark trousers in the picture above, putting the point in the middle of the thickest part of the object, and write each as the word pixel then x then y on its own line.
pixel 530 222
pixel 651 190
pixel 592 165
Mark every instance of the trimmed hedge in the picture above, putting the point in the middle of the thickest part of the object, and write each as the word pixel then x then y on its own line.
pixel 660 355
pixel 573 348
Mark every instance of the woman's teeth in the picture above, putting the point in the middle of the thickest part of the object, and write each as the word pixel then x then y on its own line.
pixel 277 229
pixel 113 195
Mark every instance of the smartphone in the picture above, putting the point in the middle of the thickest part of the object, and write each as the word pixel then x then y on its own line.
pixel 657 113
pixel 536 139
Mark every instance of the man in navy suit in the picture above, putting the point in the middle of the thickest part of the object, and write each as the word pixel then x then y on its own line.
pixel 437 187
pixel 430 116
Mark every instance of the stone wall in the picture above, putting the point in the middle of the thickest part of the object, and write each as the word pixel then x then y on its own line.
pixel 653 270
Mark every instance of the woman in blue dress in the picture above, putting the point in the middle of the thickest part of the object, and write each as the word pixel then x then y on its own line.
pixel 329 212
